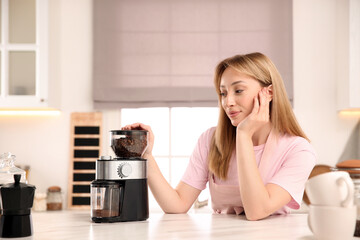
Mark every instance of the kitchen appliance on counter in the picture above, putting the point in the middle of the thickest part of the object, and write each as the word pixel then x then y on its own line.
pixel 120 192
pixel 16 202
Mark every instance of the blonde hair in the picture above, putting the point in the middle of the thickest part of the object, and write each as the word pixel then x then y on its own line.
pixel 283 120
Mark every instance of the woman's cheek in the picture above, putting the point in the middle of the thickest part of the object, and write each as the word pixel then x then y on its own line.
pixel 250 103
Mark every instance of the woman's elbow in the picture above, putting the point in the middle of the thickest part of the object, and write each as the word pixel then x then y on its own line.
pixel 256 215
pixel 253 218
pixel 176 211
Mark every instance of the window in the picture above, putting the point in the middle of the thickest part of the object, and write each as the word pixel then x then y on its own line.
pixel 176 133
pixel 23 49
pixel 163 53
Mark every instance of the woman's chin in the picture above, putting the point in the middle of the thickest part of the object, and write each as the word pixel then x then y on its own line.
pixel 234 123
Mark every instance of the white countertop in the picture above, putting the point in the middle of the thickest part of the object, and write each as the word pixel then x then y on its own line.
pixel 78 225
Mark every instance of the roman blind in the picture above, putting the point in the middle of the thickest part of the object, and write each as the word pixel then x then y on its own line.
pixel 163 53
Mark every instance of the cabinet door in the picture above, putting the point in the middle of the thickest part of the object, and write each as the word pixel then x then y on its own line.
pixel 22 21
pixel 23 49
pixel 22 78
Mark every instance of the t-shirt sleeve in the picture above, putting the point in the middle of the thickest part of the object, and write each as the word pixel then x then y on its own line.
pixel 196 173
pixel 295 171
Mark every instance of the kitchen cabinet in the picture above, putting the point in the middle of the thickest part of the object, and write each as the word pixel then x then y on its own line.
pixel 24 54
pixel 348 54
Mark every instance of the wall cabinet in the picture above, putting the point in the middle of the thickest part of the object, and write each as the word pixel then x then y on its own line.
pixel 24 54
pixel 348 54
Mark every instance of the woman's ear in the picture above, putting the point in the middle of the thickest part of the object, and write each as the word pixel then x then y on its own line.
pixel 269 92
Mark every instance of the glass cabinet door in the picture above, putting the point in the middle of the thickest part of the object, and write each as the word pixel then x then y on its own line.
pixel 22 73
pixel 24 53
pixel 22 21
pixel 22 64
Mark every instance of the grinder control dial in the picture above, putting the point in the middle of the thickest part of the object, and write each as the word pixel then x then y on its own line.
pixel 124 170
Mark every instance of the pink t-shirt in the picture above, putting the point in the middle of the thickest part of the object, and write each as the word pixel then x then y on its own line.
pixel 286 161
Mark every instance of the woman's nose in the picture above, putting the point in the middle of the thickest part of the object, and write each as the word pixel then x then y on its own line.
pixel 230 100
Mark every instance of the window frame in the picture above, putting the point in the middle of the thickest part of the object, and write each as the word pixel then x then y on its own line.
pixel 168 175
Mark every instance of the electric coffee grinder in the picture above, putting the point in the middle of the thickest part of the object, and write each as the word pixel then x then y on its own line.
pixel 120 191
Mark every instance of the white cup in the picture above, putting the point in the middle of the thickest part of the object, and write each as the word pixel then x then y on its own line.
pixel 331 189
pixel 332 222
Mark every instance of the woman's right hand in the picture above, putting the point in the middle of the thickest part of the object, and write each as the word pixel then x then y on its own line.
pixel 260 114
pixel 141 126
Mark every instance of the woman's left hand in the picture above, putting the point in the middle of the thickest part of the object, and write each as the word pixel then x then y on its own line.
pixel 141 126
pixel 259 116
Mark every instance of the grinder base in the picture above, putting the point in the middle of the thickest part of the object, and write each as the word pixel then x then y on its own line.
pixel 115 219
pixel 133 202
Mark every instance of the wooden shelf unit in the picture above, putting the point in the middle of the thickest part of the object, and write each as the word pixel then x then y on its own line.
pixel 85 148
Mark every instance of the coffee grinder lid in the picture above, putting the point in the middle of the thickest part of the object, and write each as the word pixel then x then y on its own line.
pixel 128 132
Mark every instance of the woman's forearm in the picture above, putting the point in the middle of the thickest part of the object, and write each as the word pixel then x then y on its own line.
pixel 166 196
pixel 254 194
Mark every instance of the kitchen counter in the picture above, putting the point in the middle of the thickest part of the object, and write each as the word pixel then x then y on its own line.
pixel 77 225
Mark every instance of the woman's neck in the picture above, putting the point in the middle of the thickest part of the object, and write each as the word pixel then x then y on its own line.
pixel 261 135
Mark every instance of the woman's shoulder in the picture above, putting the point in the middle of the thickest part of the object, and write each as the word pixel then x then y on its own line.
pixel 206 136
pixel 296 143
pixel 209 132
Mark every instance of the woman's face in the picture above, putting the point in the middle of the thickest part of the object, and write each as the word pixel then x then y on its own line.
pixel 238 91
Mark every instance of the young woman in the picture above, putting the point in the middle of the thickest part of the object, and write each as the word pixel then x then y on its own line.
pixel 256 160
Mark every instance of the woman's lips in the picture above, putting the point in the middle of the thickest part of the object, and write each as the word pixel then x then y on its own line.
pixel 233 114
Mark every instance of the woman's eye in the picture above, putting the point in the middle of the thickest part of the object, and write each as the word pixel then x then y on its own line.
pixel 222 94
pixel 239 91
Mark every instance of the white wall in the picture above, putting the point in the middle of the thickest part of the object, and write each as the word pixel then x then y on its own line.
pixel 315 98
pixel 43 142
